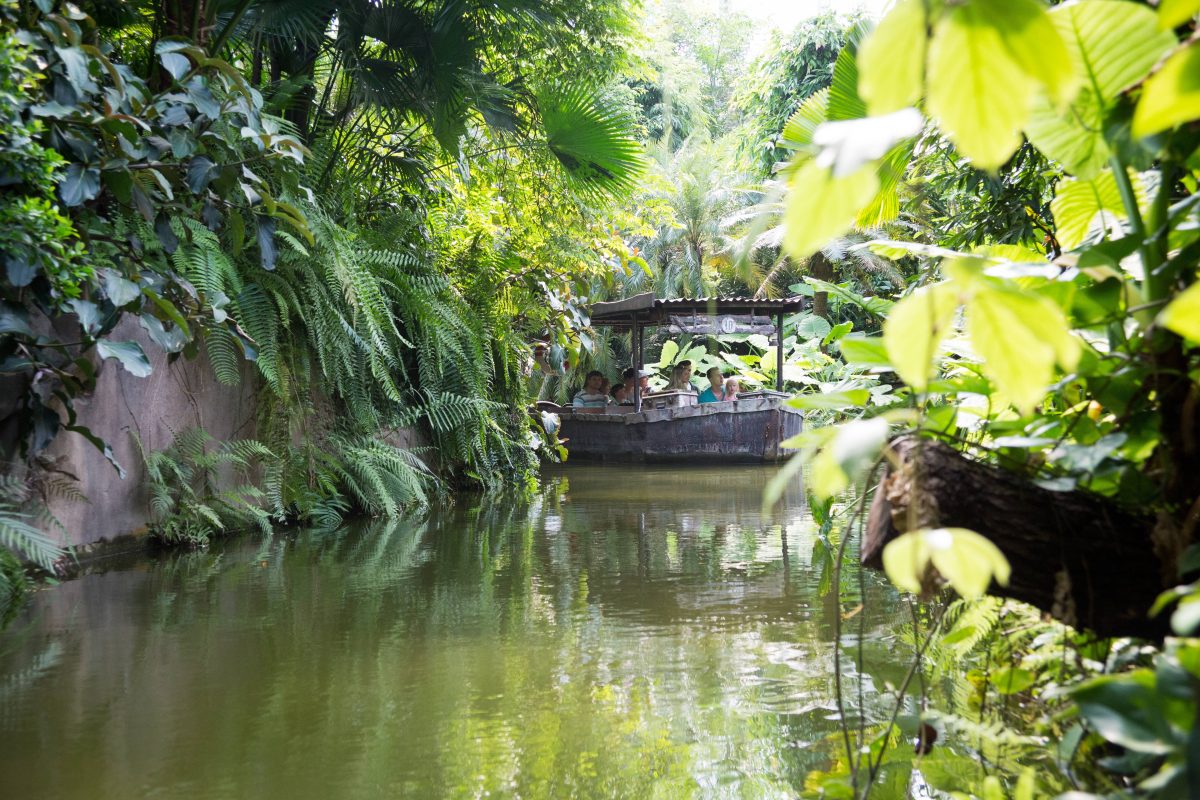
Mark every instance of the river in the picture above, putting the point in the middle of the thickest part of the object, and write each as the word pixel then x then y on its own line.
pixel 629 632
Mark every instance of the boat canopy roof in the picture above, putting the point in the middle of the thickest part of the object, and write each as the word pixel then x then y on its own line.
pixel 648 310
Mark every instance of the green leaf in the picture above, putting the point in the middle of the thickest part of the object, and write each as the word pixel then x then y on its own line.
pixel 848 145
pixel 853 446
pixel 1033 41
pixel 1171 96
pixel 1125 710
pixel 1077 204
pixel 798 132
pixel 78 67
pixel 592 138
pixel 978 93
pixel 1020 336
pixel 1182 315
pixel 1112 44
pixel 837 332
pixel 844 100
pixel 176 64
pixel 88 313
pixel 119 290
pixel 19 268
pixel 79 184
pixel 171 341
pixel 821 207
pixel 667 357
pixel 813 327
pixel 915 328
pixel 1074 137
pixel 891 62
pixel 130 354
pixel 1012 680
pixel 865 351
pixel 967 561
pixel 1173 13
pixel 836 401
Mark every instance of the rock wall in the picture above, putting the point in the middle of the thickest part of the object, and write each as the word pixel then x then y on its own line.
pixel 174 397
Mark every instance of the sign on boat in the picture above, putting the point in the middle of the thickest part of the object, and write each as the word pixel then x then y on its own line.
pixel 673 426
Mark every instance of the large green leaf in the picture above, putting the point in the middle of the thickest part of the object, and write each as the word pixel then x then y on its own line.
pixel 1074 137
pixel 1020 336
pixel 821 207
pixel 592 138
pixel 844 100
pixel 1112 44
pixel 800 127
pixel 1125 709
pixel 978 93
pixel 1031 38
pixel 1173 13
pixel 1171 96
pixel 1078 203
pixel 130 354
pixel 1182 315
pixel 915 328
pixel 891 62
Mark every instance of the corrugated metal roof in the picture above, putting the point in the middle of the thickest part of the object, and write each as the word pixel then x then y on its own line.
pixel 650 310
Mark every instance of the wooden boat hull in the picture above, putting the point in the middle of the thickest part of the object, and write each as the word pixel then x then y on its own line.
pixel 743 431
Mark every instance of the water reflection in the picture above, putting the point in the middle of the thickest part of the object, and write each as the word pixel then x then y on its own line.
pixel 629 632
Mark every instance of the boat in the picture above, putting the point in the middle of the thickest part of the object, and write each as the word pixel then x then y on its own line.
pixel 672 426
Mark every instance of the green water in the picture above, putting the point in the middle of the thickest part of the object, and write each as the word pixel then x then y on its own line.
pixel 630 632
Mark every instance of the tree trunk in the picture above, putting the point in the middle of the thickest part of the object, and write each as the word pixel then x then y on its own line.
pixel 1078 557
pixel 820 267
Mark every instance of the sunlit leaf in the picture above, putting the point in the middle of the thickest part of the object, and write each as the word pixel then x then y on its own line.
pixel 831 400
pixel 1012 680
pixel 979 94
pixel 915 328
pixel 1079 204
pixel 853 446
pixel 1182 315
pixel 1020 336
pixel 891 62
pixel 1033 41
pixel 967 561
pixel 1173 13
pixel 1171 96
pixel 821 207
pixel 848 145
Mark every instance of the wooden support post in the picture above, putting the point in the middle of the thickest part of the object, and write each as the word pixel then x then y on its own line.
pixel 779 352
pixel 637 364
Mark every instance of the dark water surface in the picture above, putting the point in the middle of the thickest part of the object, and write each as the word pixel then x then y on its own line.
pixel 631 632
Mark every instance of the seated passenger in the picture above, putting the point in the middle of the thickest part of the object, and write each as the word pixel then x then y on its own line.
pixel 715 392
pixel 590 396
pixel 641 377
pixel 732 387
pixel 681 378
pixel 618 393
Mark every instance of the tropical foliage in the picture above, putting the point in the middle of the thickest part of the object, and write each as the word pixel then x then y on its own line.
pixel 1036 168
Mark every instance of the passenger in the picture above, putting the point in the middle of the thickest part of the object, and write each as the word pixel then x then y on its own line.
pixel 642 377
pixel 732 387
pixel 618 393
pixel 590 398
pixel 681 378
pixel 715 392
pixel 606 389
